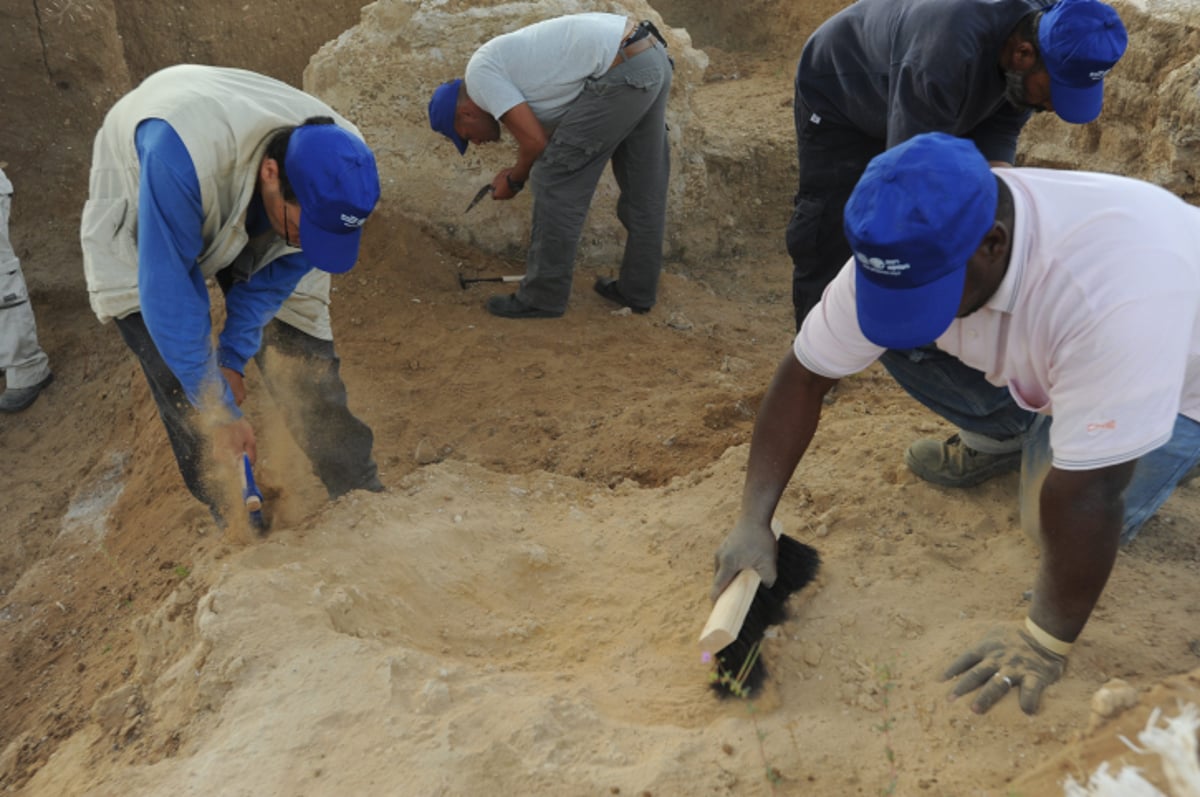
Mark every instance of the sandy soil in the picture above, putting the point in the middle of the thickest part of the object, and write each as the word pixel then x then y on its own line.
pixel 518 613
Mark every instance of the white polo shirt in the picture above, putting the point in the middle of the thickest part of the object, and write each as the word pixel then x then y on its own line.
pixel 1096 322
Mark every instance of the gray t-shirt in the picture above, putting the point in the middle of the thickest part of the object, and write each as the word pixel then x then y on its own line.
pixel 896 68
pixel 544 64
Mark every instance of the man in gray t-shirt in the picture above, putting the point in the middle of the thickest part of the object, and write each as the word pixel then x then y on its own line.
pixel 575 92
pixel 878 73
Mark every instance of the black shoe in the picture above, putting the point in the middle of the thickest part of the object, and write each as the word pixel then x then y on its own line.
pixel 607 287
pixel 16 399
pixel 372 485
pixel 509 306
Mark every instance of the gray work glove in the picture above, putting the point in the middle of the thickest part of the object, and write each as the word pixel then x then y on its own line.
pixel 1008 657
pixel 750 545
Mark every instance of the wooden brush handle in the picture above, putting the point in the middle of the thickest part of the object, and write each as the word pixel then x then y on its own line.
pixel 729 612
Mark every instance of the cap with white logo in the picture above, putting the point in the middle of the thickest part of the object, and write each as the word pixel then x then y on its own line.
pixel 916 217
pixel 336 182
pixel 1080 42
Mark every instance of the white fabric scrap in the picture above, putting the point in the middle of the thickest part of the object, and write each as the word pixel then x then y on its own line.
pixel 1175 743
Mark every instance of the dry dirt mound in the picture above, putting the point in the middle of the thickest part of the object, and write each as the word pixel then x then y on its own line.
pixel 518 613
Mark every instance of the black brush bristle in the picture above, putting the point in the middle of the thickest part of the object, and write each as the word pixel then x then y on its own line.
pixel 740 671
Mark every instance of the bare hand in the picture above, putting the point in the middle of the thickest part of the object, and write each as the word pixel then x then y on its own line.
pixel 231 440
pixel 1008 657
pixel 749 546
pixel 236 384
pixel 500 189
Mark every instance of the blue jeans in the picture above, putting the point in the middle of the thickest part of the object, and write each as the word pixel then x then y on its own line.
pixel 1154 476
pixel 962 396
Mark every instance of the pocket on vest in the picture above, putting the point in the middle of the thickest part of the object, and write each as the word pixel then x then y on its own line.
pixel 109 244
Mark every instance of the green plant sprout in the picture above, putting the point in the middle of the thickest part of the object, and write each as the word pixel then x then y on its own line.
pixel 883 677
pixel 736 684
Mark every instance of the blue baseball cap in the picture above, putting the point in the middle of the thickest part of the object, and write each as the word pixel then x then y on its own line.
pixel 914 219
pixel 1080 41
pixel 441 112
pixel 336 182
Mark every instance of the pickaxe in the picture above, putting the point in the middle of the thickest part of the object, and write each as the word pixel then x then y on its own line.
pixel 487 189
pixel 463 282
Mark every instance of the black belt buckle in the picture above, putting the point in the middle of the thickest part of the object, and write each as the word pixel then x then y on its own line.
pixel 650 28
pixel 640 32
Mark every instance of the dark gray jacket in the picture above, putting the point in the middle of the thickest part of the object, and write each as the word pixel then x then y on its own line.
pixel 893 69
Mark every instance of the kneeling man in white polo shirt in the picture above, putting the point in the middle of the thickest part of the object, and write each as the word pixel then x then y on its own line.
pixel 1081 293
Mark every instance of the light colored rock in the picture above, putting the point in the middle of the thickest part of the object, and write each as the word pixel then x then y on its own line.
pixel 382 72
pixel 1113 698
pixel 1150 125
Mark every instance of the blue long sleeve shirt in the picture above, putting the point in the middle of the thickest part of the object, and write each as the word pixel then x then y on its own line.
pixel 171 287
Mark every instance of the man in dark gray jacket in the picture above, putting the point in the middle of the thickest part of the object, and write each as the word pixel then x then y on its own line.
pixel 882 71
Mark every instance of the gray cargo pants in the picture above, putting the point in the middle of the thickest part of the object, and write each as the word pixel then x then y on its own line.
pixel 620 116
pixel 21 358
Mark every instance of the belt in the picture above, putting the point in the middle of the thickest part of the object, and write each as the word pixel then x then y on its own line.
pixel 644 42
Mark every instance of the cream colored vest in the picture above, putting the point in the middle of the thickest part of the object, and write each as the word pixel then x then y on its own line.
pixel 225 118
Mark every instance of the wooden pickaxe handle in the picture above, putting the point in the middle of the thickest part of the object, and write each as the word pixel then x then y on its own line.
pixel 463 282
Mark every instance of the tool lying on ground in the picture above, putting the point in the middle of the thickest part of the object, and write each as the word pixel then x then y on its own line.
pixel 743 612
pixel 487 189
pixel 252 497
pixel 463 282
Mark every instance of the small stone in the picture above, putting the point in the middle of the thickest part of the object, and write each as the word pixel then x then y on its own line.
pixel 679 321
pixel 426 454
pixel 1113 698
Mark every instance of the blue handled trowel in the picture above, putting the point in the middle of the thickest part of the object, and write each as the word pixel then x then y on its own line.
pixel 252 496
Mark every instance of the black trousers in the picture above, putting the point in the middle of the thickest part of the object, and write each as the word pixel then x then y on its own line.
pixel 301 372
pixel 832 159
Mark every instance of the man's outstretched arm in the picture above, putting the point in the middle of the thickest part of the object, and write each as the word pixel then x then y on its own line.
pixel 1081 516
pixel 786 423
pixel 1082 512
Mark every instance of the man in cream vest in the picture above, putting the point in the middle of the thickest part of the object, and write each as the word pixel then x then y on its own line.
pixel 207 172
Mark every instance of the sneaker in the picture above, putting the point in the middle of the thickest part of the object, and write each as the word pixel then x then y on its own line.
pixel 953 464
pixel 507 305
pixel 15 399
pixel 607 287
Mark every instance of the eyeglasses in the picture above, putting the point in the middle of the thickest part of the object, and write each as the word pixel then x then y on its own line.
pixel 286 236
